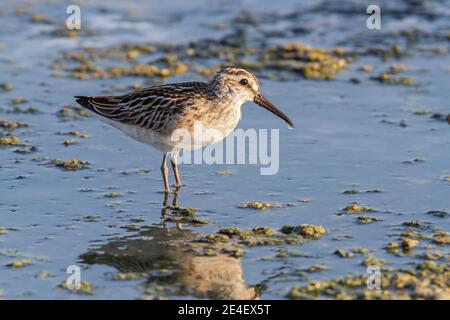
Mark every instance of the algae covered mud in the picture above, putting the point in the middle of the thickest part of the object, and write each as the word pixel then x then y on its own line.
pixel 364 180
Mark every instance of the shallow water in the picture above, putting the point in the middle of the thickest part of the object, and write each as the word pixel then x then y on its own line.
pixel 340 142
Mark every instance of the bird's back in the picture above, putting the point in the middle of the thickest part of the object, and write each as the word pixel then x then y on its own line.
pixel 154 108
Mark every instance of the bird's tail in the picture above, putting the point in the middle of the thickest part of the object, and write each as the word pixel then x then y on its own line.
pixel 84 102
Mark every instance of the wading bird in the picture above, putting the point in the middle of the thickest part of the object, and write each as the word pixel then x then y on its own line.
pixel 151 115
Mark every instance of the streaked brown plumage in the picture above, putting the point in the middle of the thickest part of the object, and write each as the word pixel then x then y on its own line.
pixel 152 115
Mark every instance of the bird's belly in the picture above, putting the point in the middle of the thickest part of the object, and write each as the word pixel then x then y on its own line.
pixel 194 137
pixel 152 138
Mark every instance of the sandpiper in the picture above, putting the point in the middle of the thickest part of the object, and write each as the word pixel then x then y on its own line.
pixel 151 115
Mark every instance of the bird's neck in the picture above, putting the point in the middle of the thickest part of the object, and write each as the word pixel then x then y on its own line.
pixel 216 89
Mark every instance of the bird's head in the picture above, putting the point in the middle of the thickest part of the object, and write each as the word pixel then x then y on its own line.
pixel 242 86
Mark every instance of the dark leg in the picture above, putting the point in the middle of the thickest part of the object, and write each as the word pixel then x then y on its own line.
pixel 165 174
pixel 173 161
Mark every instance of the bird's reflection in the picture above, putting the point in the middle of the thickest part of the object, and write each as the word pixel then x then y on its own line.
pixel 165 207
pixel 155 248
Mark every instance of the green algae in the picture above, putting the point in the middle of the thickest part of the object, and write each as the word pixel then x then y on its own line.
pixel 44 275
pixel 223 173
pixel 414 161
pixel 72 164
pixel 179 215
pixel 42 19
pixel 416 224
pixel 311 63
pixel 265 231
pixel 85 288
pixel 427 280
pixel 112 195
pixel 5 87
pixel 366 68
pixel 438 213
pixel 389 78
pixel 67 113
pixel 372 261
pixel 350 253
pixel 355 191
pixel 343 254
pixel 441 117
pixel 308 231
pixel 357 208
pixel 19 264
pixel 214 238
pixel 261 236
pixel 9 124
pixel 10 141
pixel 233 252
pixel 351 191
pixel 18 100
pixel 441 238
pixel 127 276
pixel 69 142
pixel 314 268
pixel 24 110
pixel 259 205
pixel 75 133
pixel 409 243
pixel 269 61
pixel 366 219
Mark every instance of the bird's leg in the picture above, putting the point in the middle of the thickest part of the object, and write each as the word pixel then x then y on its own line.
pixel 173 161
pixel 165 173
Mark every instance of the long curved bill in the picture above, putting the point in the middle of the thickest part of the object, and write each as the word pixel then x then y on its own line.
pixel 263 102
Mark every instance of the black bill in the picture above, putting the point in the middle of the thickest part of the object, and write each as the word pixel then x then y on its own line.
pixel 263 102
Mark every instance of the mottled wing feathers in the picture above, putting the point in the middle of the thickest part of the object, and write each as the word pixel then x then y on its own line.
pixel 150 108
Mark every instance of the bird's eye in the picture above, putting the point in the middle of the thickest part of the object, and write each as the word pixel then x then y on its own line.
pixel 244 82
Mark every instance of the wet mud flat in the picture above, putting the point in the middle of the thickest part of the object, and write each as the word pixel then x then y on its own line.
pixel 363 182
